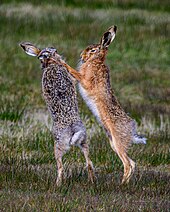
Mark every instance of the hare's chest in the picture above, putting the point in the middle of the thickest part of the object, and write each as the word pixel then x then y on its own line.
pixel 90 102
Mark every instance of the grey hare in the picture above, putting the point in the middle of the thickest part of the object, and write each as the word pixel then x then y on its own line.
pixel 58 88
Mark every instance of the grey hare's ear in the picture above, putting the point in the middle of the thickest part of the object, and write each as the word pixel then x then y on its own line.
pixel 30 49
pixel 108 37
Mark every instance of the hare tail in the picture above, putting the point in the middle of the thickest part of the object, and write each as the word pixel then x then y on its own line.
pixel 139 139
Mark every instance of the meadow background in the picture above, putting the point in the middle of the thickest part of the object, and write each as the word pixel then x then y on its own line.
pixel 139 59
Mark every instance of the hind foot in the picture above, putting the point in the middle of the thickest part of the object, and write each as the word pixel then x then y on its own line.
pixel 91 174
pixel 58 182
pixel 128 173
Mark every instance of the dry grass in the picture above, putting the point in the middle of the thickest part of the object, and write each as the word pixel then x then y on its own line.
pixel 139 62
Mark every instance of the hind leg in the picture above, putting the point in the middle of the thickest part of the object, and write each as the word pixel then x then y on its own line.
pixel 129 164
pixel 59 151
pixel 79 139
pixel 129 173
pixel 89 164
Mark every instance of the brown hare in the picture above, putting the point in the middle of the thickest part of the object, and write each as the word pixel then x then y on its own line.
pixel 95 87
pixel 58 88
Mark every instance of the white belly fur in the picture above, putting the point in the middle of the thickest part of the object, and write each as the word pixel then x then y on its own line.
pixel 90 102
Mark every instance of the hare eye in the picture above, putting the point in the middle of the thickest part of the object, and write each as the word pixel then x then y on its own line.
pixel 93 50
pixel 44 55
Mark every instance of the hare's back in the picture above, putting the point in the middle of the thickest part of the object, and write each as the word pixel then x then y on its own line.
pixel 59 93
pixel 58 82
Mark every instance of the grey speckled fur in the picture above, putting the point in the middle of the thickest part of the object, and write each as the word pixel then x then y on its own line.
pixel 58 88
pixel 60 96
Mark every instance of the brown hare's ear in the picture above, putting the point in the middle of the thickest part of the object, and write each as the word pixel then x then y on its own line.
pixel 108 37
pixel 30 49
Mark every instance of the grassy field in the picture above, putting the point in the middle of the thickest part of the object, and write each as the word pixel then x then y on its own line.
pixel 140 71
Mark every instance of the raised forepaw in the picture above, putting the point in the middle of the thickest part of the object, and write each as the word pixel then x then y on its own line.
pixel 108 37
pixel 30 49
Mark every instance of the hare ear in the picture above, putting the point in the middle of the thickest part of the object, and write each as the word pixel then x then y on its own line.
pixel 108 37
pixel 30 49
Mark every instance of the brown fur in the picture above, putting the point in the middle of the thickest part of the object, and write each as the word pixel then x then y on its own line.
pixel 94 78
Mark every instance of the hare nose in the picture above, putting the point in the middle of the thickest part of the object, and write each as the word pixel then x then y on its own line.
pixel 81 54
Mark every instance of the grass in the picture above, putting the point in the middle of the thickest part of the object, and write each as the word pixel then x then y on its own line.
pixel 139 63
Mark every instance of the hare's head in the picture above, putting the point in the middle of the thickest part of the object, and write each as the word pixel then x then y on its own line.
pixel 99 50
pixel 46 55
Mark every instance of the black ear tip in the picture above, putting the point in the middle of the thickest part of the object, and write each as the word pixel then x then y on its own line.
pixel 115 28
pixel 22 45
pixel 112 29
